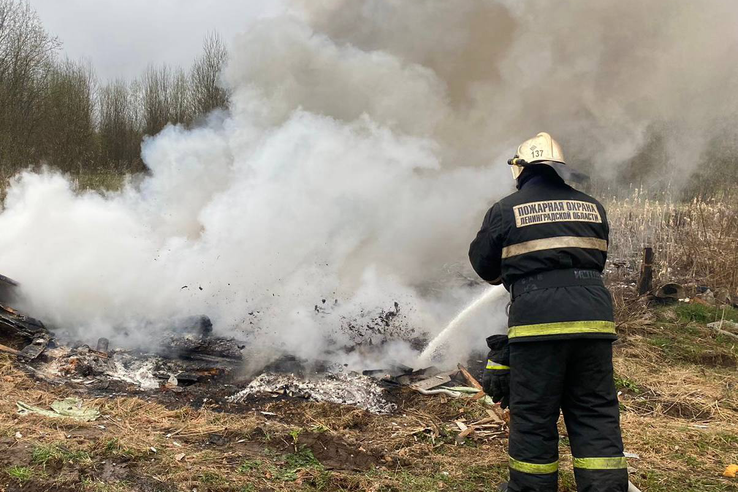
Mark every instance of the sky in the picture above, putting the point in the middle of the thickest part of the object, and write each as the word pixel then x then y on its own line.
pixel 120 38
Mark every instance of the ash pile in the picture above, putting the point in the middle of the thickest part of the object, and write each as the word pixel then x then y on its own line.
pixel 346 389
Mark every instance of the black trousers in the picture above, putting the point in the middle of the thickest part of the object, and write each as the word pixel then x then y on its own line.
pixel 576 376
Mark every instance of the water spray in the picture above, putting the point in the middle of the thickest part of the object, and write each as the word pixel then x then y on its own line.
pixel 489 296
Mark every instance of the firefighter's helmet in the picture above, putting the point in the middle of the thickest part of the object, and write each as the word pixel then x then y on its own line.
pixel 541 149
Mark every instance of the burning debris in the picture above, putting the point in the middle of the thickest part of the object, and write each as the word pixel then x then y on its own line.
pixel 147 371
pixel 202 348
pixel 185 356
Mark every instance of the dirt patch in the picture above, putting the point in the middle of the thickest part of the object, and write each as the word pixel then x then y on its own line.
pixel 717 359
pixel 686 410
pixel 333 452
pixel 14 453
pixel 146 484
pixel 112 472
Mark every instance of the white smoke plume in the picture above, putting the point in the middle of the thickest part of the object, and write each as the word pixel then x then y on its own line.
pixel 364 142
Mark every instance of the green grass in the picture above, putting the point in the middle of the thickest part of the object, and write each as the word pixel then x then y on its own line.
pixel 211 478
pixel 249 465
pixel 683 337
pixel 623 382
pixel 699 313
pixel 43 454
pixel 21 474
pixel 473 478
pixel 294 462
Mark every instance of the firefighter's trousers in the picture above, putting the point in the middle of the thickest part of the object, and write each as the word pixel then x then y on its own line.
pixel 576 376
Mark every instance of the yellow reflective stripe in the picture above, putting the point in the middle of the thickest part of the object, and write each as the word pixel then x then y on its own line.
pixel 494 365
pixel 561 328
pixel 616 463
pixel 533 468
pixel 553 243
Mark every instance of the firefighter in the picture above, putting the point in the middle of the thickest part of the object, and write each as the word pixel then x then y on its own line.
pixel 547 244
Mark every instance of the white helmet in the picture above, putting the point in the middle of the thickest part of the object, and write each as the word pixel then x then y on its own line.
pixel 541 149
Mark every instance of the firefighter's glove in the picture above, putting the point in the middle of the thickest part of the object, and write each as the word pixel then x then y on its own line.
pixel 496 381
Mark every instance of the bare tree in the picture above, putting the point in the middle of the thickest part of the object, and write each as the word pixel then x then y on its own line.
pixel 67 139
pixel 120 128
pixel 207 94
pixel 53 111
pixel 156 85
pixel 179 98
pixel 26 53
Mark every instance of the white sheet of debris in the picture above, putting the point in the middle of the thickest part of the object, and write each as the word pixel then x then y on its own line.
pixel 347 389
pixel 136 371
pixel 117 365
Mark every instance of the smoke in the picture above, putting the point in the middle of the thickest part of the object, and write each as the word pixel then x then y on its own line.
pixel 604 79
pixel 364 142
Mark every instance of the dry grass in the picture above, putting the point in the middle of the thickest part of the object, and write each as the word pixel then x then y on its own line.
pixel 695 242
pixel 679 414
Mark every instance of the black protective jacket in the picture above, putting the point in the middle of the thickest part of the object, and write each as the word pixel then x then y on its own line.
pixel 547 243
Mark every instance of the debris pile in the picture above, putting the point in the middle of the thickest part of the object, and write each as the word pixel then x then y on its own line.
pixel 185 356
pixel 491 427
pixel 146 371
pixel 201 348
pixel 24 331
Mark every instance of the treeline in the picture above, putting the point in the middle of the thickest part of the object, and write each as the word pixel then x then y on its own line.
pixel 55 111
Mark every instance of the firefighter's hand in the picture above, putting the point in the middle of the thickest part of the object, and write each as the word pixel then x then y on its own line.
pixel 496 381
